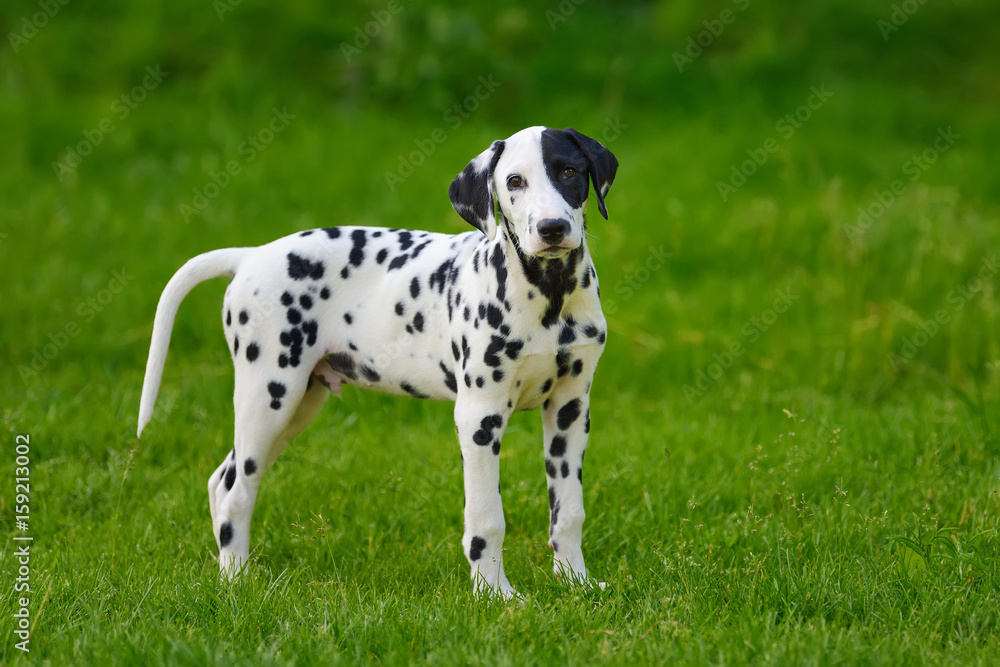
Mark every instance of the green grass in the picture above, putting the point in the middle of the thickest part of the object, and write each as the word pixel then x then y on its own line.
pixel 806 502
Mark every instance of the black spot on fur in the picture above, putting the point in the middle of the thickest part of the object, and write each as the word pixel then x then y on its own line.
pixel 547 386
pixel 300 268
pixel 568 414
pixel 577 367
pixel 550 468
pixel 370 373
pixel 324 293
pixel 567 335
pixel 294 316
pixel 398 261
pixel 485 433
pixel 586 423
pixel 497 375
pixel 380 257
pixel 480 382
pixel 236 345
pixel 225 534
pixel 415 287
pixel 282 360
pixel 287 299
pixel 277 390
pixel 449 378
pixel 244 317
pixel 494 316
pixel 305 301
pixel 253 351
pixel 359 237
pixel 348 318
pixel 455 351
pixel 476 548
pixel 249 467
pixel 513 348
pixel 400 308
pixel 418 321
pixel 345 272
pixel 229 318
pixel 412 391
pixel 343 363
pixel 332 232
pixel 558 446
pixel 491 355
pixel 230 477
pixel 305 234
pixel 562 363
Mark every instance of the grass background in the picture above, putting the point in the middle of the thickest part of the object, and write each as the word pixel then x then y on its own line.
pixel 815 504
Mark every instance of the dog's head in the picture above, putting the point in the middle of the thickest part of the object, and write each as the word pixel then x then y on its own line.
pixel 538 180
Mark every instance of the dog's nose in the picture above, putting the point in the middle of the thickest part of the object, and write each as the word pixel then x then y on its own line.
pixel 552 230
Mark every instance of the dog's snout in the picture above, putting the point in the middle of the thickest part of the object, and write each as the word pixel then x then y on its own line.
pixel 552 230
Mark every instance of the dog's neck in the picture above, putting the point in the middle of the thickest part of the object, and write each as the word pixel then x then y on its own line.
pixel 554 283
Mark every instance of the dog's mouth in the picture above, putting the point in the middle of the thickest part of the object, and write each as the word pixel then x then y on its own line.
pixel 553 251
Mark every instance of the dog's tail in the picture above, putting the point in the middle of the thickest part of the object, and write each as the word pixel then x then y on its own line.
pixel 197 270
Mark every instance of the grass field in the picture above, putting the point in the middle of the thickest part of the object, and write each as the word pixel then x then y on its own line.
pixel 794 454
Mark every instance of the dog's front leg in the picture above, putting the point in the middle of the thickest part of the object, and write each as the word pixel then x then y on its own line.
pixel 566 426
pixel 480 429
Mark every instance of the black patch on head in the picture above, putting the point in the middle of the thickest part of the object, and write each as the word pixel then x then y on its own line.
pixel 558 446
pixel 244 317
pixel 249 467
pixel 300 268
pixel 277 390
pixel 332 232
pixel 470 191
pixel 230 477
pixel 568 414
pixel 476 548
pixel 415 287
pixel 343 363
pixel 225 534
pixel 569 148
pixel 411 390
pixel 253 351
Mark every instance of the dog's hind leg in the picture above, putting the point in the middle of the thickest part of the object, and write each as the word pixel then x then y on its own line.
pixel 268 415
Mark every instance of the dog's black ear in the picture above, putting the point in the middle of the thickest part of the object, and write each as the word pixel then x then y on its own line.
pixel 472 191
pixel 601 163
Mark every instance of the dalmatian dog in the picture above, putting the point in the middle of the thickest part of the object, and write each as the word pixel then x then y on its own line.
pixel 499 320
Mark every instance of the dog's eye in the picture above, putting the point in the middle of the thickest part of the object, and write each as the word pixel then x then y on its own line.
pixel 569 172
pixel 515 182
